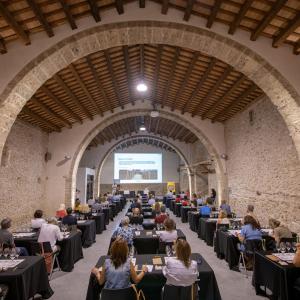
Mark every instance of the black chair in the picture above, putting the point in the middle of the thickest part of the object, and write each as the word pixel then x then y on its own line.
pixel 179 292
pixel 119 294
pixel 3 291
pixel 146 246
pixel 296 288
pixel 136 220
pixel 222 227
pixel 162 246
pixel 288 240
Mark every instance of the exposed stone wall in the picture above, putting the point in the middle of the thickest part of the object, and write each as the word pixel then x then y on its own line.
pixel 23 173
pixel 263 167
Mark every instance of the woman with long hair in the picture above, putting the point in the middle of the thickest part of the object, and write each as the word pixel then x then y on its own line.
pixel 118 269
pixel 250 230
pixel 170 232
pixel 181 270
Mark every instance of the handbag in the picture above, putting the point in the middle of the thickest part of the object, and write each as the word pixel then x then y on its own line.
pixel 139 294
pixel 48 258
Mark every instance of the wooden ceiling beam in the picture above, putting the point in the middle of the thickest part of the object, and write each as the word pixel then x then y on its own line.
pixel 41 17
pixel 142 61
pixel 50 112
pixel 186 78
pixel 297 48
pixel 85 90
pixel 112 75
pixel 164 7
pixel 50 95
pixel 156 73
pixel 240 15
pixel 105 135
pixel 223 98
pixel 70 94
pixel 284 33
pixel 178 132
pixel 188 9
pixel 171 76
pixel 95 10
pixel 99 84
pixel 142 3
pixel 128 73
pixel 173 129
pixel 149 124
pixel 157 126
pixel 275 8
pixel 11 21
pixel 3 49
pixel 199 84
pixel 214 89
pixel 213 14
pixel 39 119
pixel 227 109
pixel 114 135
pixel 68 14
pixel 136 128
pixel 119 6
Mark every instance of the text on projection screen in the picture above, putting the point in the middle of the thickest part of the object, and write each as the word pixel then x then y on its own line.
pixel 138 167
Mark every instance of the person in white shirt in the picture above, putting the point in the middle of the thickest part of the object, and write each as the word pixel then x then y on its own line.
pixel 170 233
pixel 181 270
pixel 38 221
pixel 151 201
pixel 50 233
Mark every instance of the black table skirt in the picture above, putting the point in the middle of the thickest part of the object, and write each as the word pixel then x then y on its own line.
pixel 184 213
pixel 113 207
pixel 278 279
pixel 100 222
pixel 71 251
pixel 88 236
pixel 206 230
pixel 153 282
pixel 30 278
pixel 106 215
pixel 177 209
pixel 172 206
pixel 193 219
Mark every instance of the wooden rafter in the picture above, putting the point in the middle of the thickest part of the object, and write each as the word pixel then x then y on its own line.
pixel 149 124
pixel 284 33
pixel 128 73
pixel 186 78
pixel 94 10
pixel 214 89
pixel 240 15
pixel 85 90
pixel 70 94
pixel 297 48
pixel 173 129
pixel 156 73
pixel 275 8
pixel 213 13
pixel 244 95
pixel 188 9
pixel 50 112
pixel 119 6
pixel 142 61
pixel 112 75
pixel 41 17
pixel 157 126
pixel 199 84
pixel 224 97
pixel 68 14
pixel 171 76
pixel 10 20
pixel 39 119
pixel 2 46
pixel 142 3
pixel 178 133
pixel 165 7
pixel 99 84
pixel 50 95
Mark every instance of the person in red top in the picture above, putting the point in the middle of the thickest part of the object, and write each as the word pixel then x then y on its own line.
pixel 185 201
pixel 159 219
pixel 61 212
pixel 178 199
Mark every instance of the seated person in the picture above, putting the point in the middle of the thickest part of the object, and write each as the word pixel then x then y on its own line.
pixel 90 202
pixel 151 201
pixel 225 207
pixel 156 208
pixel 69 219
pixel 50 232
pixel 6 237
pixel 97 206
pixel 296 260
pixel 170 233
pixel 118 270
pixel 136 204
pixel 136 217
pixel 61 212
pixel 194 200
pixel 279 230
pixel 77 206
pixel 222 218
pixel 125 232
pixel 185 201
pixel 250 212
pixel 38 220
pixel 200 201
pixel 250 230
pixel 181 271
pixel 178 199
pixel 205 209
pixel 162 216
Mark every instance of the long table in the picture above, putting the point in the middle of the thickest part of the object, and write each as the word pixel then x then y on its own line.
pixel 206 230
pixel 277 278
pixel 99 219
pixel 70 253
pixel 193 219
pixel 153 282
pixel 88 229
pixel 27 279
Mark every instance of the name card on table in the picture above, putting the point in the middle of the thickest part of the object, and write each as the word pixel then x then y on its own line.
pixel 81 222
pixel 234 232
pixel 137 233
pixel 285 256
pixel 156 261
pixel 23 234
pixel 8 263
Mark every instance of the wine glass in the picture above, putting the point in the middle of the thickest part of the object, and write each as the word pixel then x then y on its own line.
pixel 294 247
pixel 288 246
pixel 12 253
pixel 278 247
pixel 6 253
pixel 18 251
pixel 282 247
pixel 168 250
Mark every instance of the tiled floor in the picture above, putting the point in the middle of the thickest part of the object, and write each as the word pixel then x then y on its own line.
pixel 73 285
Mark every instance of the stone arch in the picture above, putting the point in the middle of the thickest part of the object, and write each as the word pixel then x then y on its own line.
pixel 106 155
pixel 132 112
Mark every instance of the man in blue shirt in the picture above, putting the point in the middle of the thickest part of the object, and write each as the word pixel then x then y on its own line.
pixel 225 207
pixel 205 211
pixel 69 219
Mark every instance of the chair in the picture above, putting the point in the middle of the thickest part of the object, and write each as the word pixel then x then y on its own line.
pixel 3 291
pixel 36 250
pixel 162 246
pixel 129 293
pixel 146 246
pixel 288 240
pixel 296 288
pixel 136 220
pixel 222 227
pixel 180 292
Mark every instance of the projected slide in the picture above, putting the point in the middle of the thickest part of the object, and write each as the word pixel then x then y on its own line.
pixel 138 167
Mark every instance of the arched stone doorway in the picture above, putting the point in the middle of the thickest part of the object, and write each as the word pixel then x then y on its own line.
pixel 170 144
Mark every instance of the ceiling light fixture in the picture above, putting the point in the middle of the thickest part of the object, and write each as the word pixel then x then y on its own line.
pixel 142 87
pixel 142 128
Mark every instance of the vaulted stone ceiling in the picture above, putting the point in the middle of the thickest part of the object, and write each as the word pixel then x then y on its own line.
pixel 178 78
pixel 278 20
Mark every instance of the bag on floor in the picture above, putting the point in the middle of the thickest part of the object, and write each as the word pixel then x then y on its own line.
pixel 48 258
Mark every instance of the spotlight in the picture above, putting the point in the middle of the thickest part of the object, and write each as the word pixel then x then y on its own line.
pixel 142 128
pixel 142 87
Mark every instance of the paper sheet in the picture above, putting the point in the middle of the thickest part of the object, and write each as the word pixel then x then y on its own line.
pixel 157 261
pixel 8 263
pixel 23 234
